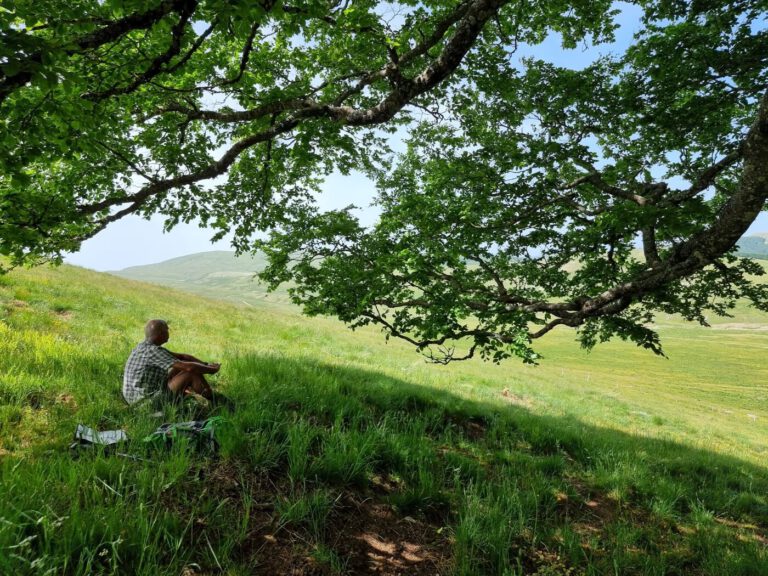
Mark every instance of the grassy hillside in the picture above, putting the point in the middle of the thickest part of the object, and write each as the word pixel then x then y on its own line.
pixel 351 456
pixel 216 274
pixel 221 275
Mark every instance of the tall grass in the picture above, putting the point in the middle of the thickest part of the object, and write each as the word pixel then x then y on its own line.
pixel 611 463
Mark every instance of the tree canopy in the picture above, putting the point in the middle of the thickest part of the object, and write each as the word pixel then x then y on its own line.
pixel 530 195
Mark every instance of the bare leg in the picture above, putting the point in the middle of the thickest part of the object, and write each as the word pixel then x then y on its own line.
pixel 182 382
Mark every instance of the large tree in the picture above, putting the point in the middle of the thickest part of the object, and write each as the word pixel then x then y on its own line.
pixel 223 110
pixel 516 208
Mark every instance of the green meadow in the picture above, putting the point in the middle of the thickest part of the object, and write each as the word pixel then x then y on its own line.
pixel 351 455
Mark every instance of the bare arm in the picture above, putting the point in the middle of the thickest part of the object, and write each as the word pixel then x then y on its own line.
pixel 196 367
pixel 187 357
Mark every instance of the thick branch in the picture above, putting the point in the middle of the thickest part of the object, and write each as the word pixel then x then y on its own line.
pixel 701 250
pixel 156 67
pixel 109 33
pixel 732 221
pixel 650 251
pixel 456 47
pixel 467 31
pixel 392 68
pixel 467 14
pixel 236 116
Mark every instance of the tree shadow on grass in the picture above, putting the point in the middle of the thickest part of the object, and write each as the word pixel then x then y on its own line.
pixel 364 472
pixel 600 494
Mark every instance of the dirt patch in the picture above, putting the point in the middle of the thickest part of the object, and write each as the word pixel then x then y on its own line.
pixel 285 555
pixel 475 429
pixel 364 534
pixel 366 537
pixel 372 539
pixel 590 511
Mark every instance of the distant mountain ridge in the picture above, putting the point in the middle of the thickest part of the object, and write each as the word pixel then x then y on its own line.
pixel 754 246
pixel 216 274
pixel 220 274
pixel 196 266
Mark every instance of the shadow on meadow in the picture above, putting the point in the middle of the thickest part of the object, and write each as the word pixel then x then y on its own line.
pixel 517 488
pixel 328 469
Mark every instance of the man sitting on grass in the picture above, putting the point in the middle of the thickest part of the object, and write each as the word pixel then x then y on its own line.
pixel 153 372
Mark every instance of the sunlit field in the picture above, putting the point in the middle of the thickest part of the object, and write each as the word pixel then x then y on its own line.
pixel 350 455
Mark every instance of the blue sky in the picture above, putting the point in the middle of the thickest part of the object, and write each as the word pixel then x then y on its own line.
pixel 133 241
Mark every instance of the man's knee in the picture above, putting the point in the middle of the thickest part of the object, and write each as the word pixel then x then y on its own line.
pixel 180 381
pixel 189 381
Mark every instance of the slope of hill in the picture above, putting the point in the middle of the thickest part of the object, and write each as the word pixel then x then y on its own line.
pixel 194 267
pixel 754 246
pixel 222 275
pixel 347 455
pixel 216 274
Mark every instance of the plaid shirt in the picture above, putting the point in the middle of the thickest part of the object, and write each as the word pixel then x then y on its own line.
pixel 146 371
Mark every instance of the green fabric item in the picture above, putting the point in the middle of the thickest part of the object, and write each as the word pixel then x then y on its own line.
pixel 202 431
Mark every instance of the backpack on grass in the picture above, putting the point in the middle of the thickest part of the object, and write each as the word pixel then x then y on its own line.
pixel 200 432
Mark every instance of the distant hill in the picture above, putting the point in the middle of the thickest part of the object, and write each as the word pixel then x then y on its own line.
pixel 222 275
pixel 217 274
pixel 754 246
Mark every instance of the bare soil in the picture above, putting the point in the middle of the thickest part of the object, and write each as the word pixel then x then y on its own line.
pixel 366 534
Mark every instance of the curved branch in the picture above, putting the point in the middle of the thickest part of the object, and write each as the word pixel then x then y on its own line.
pixel 244 57
pixel 707 177
pixel 702 249
pixel 470 26
pixel 468 29
pixel 108 33
pixel 471 18
pixel 156 67
pixel 211 171
pixel 689 257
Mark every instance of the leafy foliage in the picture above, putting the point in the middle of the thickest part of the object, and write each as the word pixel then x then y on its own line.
pixel 515 208
pixel 521 205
